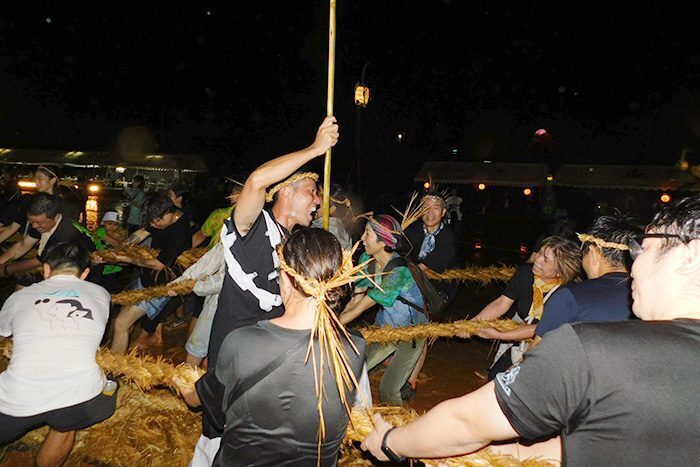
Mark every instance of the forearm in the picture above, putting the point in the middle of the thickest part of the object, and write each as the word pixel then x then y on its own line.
pixel 16 251
pixel 198 238
pixel 352 312
pixel 525 332
pixel 493 310
pixel 9 231
pixel 281 167
pixel 21 266
pixel 439 433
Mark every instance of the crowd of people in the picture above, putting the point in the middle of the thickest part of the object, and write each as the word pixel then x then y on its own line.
pixel 582 381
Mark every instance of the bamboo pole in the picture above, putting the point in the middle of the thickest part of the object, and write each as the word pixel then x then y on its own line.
pixel 329 111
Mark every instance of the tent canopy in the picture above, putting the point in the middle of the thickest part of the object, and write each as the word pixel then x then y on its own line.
pixel 94 159
pixel 495 173
pixel 627 177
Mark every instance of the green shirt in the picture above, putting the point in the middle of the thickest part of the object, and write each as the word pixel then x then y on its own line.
pixel 98 238
pixel 212 226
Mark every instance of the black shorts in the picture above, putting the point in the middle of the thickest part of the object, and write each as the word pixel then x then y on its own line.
pixel 75 417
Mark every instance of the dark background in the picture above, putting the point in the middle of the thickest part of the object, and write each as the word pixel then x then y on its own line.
pixel 241 83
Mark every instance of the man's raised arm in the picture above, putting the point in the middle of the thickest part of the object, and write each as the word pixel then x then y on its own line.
pixel 252 199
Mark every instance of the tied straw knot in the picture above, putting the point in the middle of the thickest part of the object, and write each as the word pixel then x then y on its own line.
pixel 601 243
pixel 294 178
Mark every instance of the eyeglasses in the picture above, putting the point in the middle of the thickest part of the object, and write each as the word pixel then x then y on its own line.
pixel 635 242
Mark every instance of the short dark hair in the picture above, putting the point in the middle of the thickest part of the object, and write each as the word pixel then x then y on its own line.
pixel 67 255
pixel 155 206
pixel 44 203
pixel 681 218
pixel 615 227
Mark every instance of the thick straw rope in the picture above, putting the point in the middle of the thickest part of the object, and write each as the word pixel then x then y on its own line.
pixel 473 274
pixel 388 335
pixel 132 297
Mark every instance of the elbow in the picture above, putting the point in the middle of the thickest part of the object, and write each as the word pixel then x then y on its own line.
pixel 256 180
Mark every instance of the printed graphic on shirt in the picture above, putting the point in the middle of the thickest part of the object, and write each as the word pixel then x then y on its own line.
pixel 506 378
pixel 63 315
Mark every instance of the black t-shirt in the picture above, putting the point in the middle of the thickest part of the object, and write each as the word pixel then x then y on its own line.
pixel 172 241
pixel 11 211
pixel 444 256
pixel 65 232
pixel 519 288
pixel 606 298
pixel 623 393
pixel 239 307
pixel 276 421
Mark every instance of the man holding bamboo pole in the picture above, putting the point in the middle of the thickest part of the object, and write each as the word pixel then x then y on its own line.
pixel 616 393
pixel 250 291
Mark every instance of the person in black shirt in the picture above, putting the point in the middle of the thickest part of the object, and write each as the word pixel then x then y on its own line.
pixel 250 290
pixel 433 247
pixel 557 262
pixel 605 296
pixel 46 226
pixel 276 420
pixel 171 235
pixel 616 393
pixel 14 216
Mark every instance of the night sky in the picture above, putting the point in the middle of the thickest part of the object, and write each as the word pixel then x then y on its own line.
pixel 240 84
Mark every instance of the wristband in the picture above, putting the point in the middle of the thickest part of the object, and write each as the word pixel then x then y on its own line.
pixel 393 457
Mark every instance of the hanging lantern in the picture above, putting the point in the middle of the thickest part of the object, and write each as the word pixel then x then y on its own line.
pixel 665 198
pixel 361 95
pixel 426 185
pixel 481 186
pixel 527 192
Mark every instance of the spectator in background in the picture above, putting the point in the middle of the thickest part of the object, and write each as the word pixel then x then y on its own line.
pixel 136 196
pixel 335 225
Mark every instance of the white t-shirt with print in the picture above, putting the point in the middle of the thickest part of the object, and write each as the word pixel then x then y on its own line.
pixel 57 326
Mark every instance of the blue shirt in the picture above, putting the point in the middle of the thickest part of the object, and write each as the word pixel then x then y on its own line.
pixel 606 298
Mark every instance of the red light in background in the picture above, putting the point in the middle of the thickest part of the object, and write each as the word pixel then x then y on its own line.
pixel 665 198
pixel 527 192
pixel 523 249
pixel 477 246
pixel 541 132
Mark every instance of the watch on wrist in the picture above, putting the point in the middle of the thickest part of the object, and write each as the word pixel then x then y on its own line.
pixel 393 457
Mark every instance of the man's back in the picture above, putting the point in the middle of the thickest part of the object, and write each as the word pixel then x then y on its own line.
pixel 606 298
pixel 620 393
pixel 57 325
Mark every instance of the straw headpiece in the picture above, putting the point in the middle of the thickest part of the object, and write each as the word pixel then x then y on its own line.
pixel 602 243
pixel 294 178
pixel 329 332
